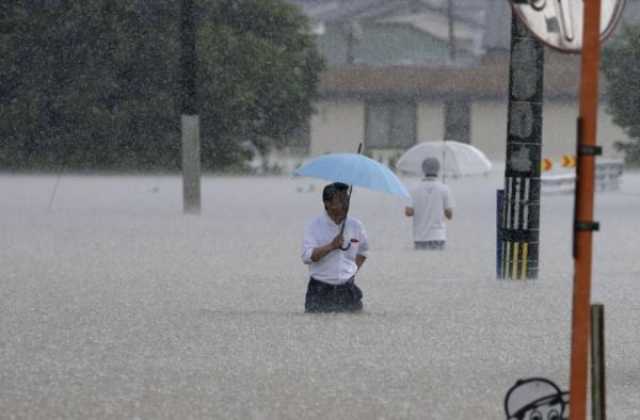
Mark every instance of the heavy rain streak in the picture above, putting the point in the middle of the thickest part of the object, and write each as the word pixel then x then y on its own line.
pixel 316 209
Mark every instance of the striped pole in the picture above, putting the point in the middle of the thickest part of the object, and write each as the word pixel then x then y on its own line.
pixel 520 223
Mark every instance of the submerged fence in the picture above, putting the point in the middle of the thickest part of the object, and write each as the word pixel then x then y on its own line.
pixel 608 174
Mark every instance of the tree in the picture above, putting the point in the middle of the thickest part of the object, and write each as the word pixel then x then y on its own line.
pixel 258 74
pixel 94 84
pixel 90 88
pixel 620 65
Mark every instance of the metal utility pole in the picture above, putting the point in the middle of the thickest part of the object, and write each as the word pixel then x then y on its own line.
pixel 520 213
pixel 598 364
pixel 354 35
pixel 189 121
pixel 583 223
pixel 452 36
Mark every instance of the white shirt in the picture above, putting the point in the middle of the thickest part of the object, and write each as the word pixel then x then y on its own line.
pixel 337 266
pixel 429 200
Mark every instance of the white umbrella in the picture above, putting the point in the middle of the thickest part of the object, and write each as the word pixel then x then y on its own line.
pixel 456 159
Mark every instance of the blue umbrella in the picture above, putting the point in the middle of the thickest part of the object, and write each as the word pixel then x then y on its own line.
pixel 354 169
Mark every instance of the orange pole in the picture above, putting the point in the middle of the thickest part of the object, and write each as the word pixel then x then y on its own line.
pixel 584 226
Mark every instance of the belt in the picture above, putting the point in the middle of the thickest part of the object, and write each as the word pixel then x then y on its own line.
pixel 346 284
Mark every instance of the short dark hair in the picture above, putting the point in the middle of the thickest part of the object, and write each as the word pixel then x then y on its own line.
pixel 330 190
pixel 430 166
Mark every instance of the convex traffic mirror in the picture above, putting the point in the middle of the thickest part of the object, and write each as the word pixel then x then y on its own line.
pixel 559 23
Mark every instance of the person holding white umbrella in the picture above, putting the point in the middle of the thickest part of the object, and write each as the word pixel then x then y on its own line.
pixel 432 203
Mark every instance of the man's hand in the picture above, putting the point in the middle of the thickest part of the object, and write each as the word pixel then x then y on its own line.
pixel 337 242
pixel 360 259
pixel 448 213
pixel 321 251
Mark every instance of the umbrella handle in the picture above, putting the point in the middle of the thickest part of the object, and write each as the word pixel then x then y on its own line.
pixel 347 247
pixel 344 222
pixel 444 172
pixel 348 202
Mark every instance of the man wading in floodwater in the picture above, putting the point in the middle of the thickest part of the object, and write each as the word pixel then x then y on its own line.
pixel 432 203
pixel 334 257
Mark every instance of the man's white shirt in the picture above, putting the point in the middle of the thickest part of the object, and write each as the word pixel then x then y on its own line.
pixel 429 200
pixel 338 266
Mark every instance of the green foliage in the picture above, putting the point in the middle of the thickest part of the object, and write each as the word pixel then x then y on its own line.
pixel 621 67
pixel 259 69
pixel 94 84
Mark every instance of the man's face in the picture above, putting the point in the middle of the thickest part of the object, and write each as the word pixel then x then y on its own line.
pixel 337 206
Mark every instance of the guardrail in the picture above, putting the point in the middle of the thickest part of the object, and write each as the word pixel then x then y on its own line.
pixel 607 178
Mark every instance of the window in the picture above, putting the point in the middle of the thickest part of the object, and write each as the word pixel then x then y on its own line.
pixel 390 124
pixel 457 120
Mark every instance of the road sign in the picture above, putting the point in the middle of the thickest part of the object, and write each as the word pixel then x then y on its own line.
pixel 568 161
pixel 559 23
pixel 547 164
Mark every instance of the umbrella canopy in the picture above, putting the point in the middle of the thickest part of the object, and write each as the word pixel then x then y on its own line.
pixel 456 159
pixel 354 169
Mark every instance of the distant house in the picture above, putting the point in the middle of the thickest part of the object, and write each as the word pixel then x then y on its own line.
pixel 402 72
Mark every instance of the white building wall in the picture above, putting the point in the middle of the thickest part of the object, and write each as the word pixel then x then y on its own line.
pixel 489 130
pixel 338 126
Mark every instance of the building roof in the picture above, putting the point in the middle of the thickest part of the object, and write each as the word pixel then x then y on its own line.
pixel 437 25
pixel 489 79
pixel 338 10
pixel 430 16
pixel 426 15
pixel 492 16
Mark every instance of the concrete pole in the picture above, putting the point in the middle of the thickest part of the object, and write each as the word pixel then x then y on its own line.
pixel 190 163
pixel 189 121
pixel 520 222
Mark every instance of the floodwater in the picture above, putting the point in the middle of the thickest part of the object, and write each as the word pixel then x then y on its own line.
pixel 113 304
